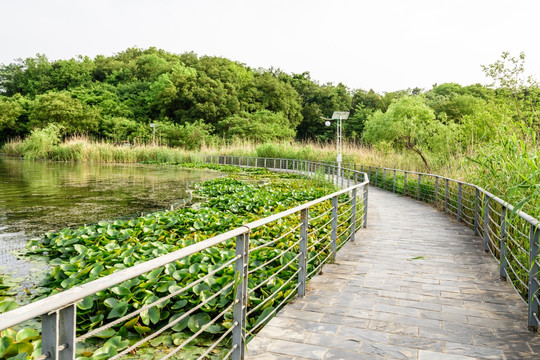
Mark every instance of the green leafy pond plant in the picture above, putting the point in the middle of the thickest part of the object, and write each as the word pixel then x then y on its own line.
pixel 78 256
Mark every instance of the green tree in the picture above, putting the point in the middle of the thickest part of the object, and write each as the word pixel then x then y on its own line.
pixel 409 124
pixel 10 110
pixel 62 109
pixel 261 126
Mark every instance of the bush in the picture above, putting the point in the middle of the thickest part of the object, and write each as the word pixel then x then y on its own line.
pixel 41 142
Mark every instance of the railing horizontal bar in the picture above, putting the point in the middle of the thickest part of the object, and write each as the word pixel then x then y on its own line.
pixel 264 245
pixel 200 331
pixel 319 241
pixel 275 258
pixel 274 274
pixel 516 276
pixel 217 342
pixel 276 308
pixel 319 228
pixel 319 266
pixel 293 276
pixel 320 215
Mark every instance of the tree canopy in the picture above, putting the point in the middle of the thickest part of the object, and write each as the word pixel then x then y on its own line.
pixel 189 97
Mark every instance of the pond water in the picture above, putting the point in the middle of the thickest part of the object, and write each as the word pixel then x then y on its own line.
pixel 36 197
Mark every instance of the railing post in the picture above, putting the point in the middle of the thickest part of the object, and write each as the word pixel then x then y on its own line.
pixel 58 334
pixel 419 184
pixel 334 227
pixel 240 306
pixel 446 197
pixel 436 190
pixel 376 176
pixel 502 244
pixel 476 212
pixel 404 183
pixel 384 179
pixel 460 194
pixel 394 185
pixel 353 219
pixel 534 298
pixel 302 274
pixel 486 224
pixel 366 187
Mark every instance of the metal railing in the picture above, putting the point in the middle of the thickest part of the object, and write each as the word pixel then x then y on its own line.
pixel 244 276
pixel 511 236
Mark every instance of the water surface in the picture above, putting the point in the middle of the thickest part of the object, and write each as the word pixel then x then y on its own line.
pixel 36 197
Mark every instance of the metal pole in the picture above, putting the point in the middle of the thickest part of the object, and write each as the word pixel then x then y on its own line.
pixel 58 334
pixel 240 306
pixel 404 183
pixel 384 179
pixel 460 193
pixel 436 190
pixel 502 245
pixel 353 219
pixel 334 227
pixel 446 197
pixel 486 224
pixel 394 185
pixel 476 212
pixel 533 279
pixel 419 184
pixel 302 261
pixel 366 187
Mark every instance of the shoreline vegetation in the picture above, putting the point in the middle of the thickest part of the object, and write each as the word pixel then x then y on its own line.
pixel 509 167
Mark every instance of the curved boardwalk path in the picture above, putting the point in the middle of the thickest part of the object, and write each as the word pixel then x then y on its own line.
pixel 414 285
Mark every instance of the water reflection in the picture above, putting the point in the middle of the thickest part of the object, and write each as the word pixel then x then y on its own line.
pixel 36 197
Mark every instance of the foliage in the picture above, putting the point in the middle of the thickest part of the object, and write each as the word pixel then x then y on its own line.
pixel 41 142
pixel 261 126
pixel 409 124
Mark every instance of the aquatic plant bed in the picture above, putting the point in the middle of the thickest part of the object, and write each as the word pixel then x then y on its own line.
pixel 78 256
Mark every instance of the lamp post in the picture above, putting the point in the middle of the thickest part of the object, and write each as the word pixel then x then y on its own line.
pixel 339 116
pixel 153 126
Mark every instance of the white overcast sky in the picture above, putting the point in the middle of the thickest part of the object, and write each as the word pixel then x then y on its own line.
pixel 385 45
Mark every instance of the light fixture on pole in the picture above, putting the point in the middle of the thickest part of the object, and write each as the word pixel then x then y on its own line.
pixel 153 126
pixel 339 116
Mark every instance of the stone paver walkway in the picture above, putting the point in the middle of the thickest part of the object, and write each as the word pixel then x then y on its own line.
pixel 414 285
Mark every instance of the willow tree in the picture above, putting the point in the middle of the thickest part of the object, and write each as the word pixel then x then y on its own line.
pixel 411 125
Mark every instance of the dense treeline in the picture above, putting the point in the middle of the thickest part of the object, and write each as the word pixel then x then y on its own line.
pixel 192 99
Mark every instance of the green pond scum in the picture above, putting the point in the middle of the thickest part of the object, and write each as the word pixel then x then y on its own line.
pixel 78 256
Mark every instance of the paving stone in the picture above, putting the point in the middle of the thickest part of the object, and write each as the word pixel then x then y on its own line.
pixel 315 327
pixel 335 342
pixel 295 349
pixel 393 328
pixel 474 351
pixel 391 351
pixel 289 334
pixel 430 355
pixel 363 334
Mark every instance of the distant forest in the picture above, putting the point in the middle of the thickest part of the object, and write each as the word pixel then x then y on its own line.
pixel 193 99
